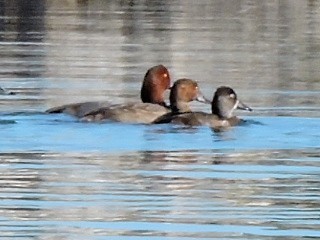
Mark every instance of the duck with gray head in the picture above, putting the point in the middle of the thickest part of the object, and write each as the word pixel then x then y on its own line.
pixel 224 103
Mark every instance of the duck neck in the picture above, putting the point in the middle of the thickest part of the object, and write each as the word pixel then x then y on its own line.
pixel 216 111
pixel 180 107
pixel 152 95
pixel 221 112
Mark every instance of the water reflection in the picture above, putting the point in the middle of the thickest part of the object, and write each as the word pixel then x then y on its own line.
pixel 23 28
pixel 31 20
pixel 204 41
pixel 252 192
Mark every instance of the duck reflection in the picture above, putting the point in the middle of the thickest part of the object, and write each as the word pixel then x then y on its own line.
pixel 24 24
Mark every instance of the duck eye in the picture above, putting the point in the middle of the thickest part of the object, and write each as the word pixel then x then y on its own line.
pixel 165 75
pixel 232 95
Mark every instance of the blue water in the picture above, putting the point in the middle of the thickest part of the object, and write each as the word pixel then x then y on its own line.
pixel 122 181
pixel 42 132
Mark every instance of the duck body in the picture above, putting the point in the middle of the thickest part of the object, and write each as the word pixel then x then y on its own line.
pixel 182 92
pixel 156 82
pixel 5 92
pixel 78 109
pixel 223 105
pixel 199 119
pixel 143 113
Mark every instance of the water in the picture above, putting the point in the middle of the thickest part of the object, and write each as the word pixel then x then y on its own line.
pixel 64 179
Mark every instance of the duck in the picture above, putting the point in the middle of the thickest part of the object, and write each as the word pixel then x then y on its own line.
pixel 182 93
pixel 156 81
pixel 5 92
pixel 223 105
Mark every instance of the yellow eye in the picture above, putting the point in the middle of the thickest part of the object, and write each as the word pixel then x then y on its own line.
pixel 165 75
pixel 232 95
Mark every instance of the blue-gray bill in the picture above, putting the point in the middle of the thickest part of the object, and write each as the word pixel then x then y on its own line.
pixel 243 106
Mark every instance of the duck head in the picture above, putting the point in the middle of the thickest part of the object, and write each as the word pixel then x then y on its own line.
pixel 225 101
pixel 182 93
pixel 156 82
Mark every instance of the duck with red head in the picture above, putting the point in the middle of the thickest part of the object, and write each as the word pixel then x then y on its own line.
pixel 224 103
pixel 156 82
pixel 182 93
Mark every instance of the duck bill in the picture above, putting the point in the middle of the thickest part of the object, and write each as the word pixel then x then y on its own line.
pixel 203 99
pixel 243 106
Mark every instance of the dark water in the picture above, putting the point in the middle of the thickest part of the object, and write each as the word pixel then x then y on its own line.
pixel 63 179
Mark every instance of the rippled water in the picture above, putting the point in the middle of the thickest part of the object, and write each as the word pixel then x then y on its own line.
pixel 64 179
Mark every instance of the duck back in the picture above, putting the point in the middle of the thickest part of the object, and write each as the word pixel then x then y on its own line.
pixel 129 113
pixel 78 109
